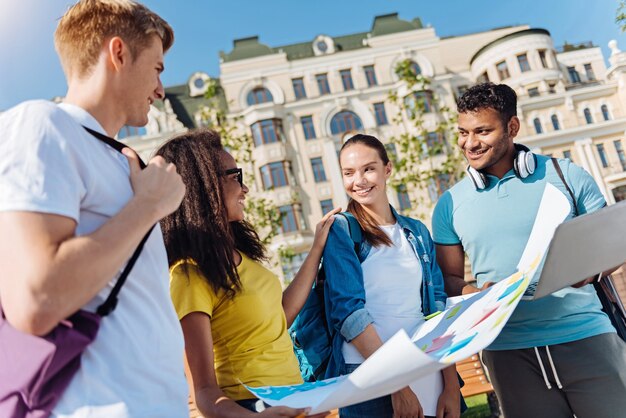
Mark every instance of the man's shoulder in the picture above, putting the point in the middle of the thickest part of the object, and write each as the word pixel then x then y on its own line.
pixel 36 116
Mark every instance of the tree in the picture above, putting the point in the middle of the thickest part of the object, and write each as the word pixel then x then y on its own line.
pixel 428 160
pixel 620 17
pixel 261 212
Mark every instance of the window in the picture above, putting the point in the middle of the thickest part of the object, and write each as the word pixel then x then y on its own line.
pixel 291 265
pixel 542 58
pixel 503 70
pixel 551 88
pixel 438 185
pixel 533 92
pixel 318 169
pixel 404 201
pixel 415 68
pixel 420 100
pixel 326 205
pixel 619 193
pixel 605 112
pixel 130 131
pixel 555 122
pixel 298 88
pixel 346 80
pixel 435 143
pixel 574 77
pixel 267 131
pixel 523 62
pixel 307 127
pixel 588 117
pixel 370 75
pixel 322 84
pixel 381 115
pixel 483 78
pixel 288 220
pixel 602 155
pixel 274 175
pixel 620 153
pixel 345 121
pixel 589 73
pixel 568 154
pixel 538 127
pixel 259 95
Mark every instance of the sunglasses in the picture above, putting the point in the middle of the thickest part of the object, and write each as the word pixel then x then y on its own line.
pixel 237 171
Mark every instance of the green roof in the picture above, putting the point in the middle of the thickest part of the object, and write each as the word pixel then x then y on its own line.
pixel 387 24
pixel 383 25
pixel 185 106
pixel 508 37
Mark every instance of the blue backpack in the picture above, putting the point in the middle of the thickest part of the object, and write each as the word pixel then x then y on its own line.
pixel 311 335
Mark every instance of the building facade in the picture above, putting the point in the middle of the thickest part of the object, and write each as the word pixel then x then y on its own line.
pixel 299 102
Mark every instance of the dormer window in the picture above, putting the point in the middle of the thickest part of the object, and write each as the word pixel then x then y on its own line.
pixel 323 45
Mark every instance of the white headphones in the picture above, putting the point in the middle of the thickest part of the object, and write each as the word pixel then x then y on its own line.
pixel 523 165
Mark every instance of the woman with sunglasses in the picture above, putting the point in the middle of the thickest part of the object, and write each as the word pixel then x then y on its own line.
pixel 233 312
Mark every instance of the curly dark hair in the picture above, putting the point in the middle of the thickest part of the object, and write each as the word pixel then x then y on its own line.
pixel 371 231
pixel 499 97
pixel 199 229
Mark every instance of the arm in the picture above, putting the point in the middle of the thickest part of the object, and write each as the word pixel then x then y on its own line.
pixel 298 290
pixel 208 397
pixel 451 260
pixel 449 403
pixel 50 273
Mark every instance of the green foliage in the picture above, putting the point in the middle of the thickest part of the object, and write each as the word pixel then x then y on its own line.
pixel 427 156
pixel 620 17
pixel 261 212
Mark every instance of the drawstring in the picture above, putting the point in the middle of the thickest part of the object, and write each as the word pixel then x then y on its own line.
pixel 556 376
pixel 543 370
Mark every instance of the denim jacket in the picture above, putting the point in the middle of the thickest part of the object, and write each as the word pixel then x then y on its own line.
pixel 344 291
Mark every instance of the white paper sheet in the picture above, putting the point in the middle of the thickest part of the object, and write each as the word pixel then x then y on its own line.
pixel 459 332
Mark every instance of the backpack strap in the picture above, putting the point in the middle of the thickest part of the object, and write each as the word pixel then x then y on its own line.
pixel 354 228
pixel 557 167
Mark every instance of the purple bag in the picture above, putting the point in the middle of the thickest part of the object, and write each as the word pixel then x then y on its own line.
pixel 35 371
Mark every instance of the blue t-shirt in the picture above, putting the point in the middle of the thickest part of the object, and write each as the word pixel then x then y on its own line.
pixel 493 226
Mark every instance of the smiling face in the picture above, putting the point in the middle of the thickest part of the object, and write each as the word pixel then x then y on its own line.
pixel 233 193
pixel 364 175
pixel 143 82
pixel 487 141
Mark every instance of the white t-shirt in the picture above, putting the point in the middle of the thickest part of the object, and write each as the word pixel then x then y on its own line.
pixel 392 277
pixel 50 164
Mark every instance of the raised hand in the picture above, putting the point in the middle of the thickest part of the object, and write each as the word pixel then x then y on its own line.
pixel 159 187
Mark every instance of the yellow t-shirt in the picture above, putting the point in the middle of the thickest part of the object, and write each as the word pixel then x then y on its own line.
pixel 250 339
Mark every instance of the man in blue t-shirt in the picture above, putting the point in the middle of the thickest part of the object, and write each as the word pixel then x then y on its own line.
pixel 558 355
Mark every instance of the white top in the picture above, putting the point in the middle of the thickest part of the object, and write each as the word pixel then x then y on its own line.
pixel 50 164
pixel 392 277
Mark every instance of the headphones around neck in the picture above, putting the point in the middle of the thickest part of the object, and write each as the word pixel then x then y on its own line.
pixel 523 165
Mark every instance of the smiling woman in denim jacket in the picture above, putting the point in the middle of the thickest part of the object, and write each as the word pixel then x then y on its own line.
pixel 392 284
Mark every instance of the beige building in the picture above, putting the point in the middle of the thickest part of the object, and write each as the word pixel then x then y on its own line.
pixel 299 101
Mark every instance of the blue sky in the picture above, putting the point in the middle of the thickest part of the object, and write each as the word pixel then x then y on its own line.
pixel 30 69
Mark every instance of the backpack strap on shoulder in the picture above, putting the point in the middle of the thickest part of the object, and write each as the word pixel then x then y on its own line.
pixel 557 167
pixel 354 228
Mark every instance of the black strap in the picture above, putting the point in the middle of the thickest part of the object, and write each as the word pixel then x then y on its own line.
pixel 111 302
pixel 557 167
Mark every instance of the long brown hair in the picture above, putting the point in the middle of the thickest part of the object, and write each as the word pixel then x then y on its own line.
pixel 199 229
pixel 371 231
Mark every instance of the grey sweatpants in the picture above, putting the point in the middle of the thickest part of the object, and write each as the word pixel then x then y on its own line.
pixel 586 378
